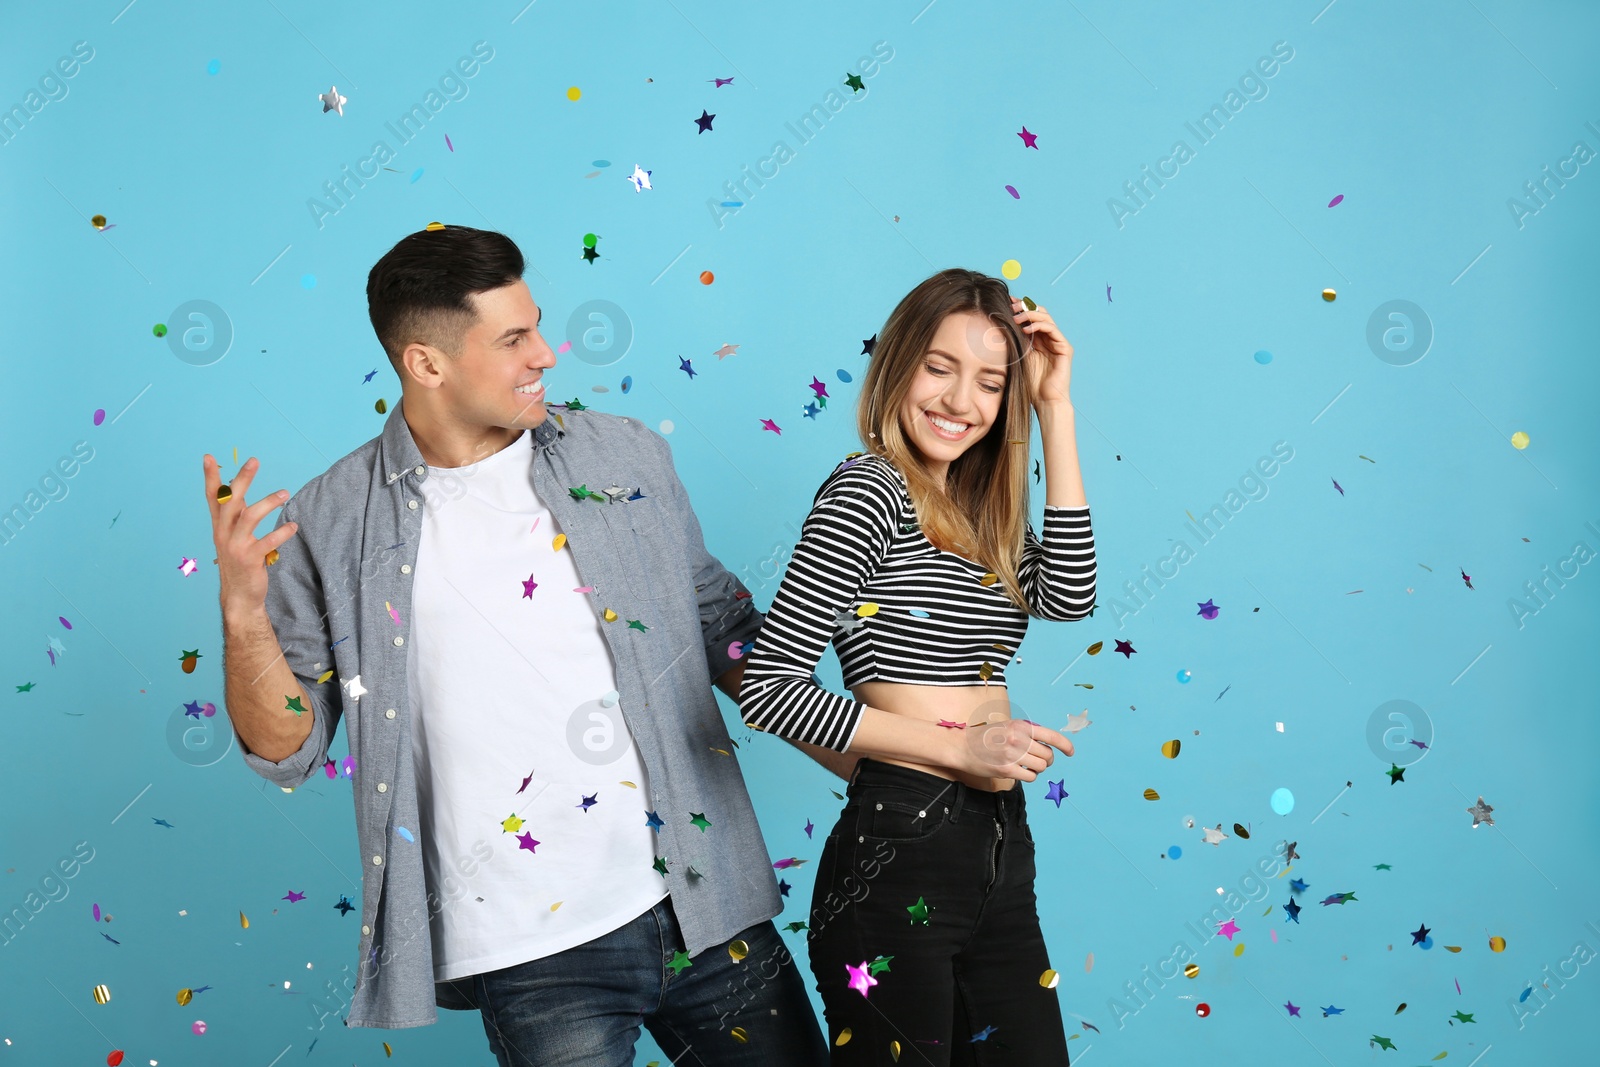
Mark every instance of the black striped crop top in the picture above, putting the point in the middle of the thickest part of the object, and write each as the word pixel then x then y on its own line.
pixel 929 619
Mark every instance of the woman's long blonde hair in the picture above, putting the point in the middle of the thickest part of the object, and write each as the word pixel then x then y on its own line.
pixel 984 506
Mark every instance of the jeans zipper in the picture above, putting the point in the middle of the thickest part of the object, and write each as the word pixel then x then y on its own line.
pixel 994 857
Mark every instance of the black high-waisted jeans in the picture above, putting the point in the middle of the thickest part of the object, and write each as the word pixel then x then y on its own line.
pixel 934 878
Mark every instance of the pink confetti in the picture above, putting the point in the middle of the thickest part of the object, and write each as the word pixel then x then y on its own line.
pixel 209 709
pixel 1274 934
pixel 99 416
pixel 97 913
pixel 1458 985
pixel 447 143
pixel 736 650
pixel 1014 194
pixel 63 622
pixel 564 346
pixel 1335 200
pixel 584 589
pixel 535 525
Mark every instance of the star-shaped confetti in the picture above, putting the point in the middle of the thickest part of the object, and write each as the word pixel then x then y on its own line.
pixel 295 706
pixel 525 840
pixel 1297 885
pixel 810 411
pixel 525 782
pixel 1125 648
pixel 680 960
pixel 640 179
pixel 528 586
pixel 344 906
pixel 1294 1010
pixel 332 101
pixel 698 818
pixel 809 827
pixel 635 624
pixel 768 424
pixel 983 1035
pixel 855 83
pixel 1338 898
pixel 859 978
pixel 1057 792
pixel 704 121
pixel 1331 1010
pixel 919 911
pixel 1396 773
pixel 879 965
pixel 1419 935
pixel 587 802
pixel 685 366
pixel 1228 929
pixel 1382 1042
pixel 726 350
pixel 511 824
pixel 1293 909
pixel 783 888
pixel 292 896
pixel 1028 139
pixel 652 820
pixel 868 345
pixel 163 822
pixel 1464 1017
pixel 722 81
pixel 1208 610
pixel 794 927
pixel 1480 814
pixel 660 865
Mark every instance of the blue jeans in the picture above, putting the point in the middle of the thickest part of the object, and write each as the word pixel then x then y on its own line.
pixel 937 878
pixel 584 1006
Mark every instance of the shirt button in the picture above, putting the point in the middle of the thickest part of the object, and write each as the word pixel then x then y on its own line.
pixel 399 641
pixel 421 469
pixel 405 568
pixel 389 714
pixel 377 860
pixel 412 504
pixel 366 929
pixel 383 787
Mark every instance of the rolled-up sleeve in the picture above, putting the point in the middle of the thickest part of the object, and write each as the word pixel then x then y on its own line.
pixel 296 607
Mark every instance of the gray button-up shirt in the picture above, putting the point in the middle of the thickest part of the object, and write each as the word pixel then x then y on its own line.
pixel 351 561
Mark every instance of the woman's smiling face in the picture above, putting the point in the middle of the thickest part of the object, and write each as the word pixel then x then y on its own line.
pixel 960 381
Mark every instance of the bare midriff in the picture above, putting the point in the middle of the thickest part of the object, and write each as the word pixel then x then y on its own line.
pixel 963 704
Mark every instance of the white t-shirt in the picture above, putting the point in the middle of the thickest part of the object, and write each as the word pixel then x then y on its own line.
pixel 511 679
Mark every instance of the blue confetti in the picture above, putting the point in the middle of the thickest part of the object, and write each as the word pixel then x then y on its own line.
pixel 1263 357
pixel 213 66
pixel 308 281
pixel 403 832
pixel 844 375
pixel 919 613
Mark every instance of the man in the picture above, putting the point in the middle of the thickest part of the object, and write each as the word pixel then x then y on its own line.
pixel 524 624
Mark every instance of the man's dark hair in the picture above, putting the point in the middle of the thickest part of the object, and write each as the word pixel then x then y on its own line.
pixel 418 290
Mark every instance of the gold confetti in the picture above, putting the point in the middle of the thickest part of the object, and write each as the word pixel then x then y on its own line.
pixel 381 406
pixel 843 1038
pixel 435 226
pixel 1191 969
pixel 989 579
pixel 1452 948
pixel 243 921
pixel 272 556
pixel 1028 303
pixel 560 540
pixel 1240 832
pixel 738 1034
pixel 894 1050
pixel 1049 979
pixel 1094 649
pixel 866 610
pixel 1401 1008
pixel 1238 950
pixel 629 784
pixel 101 994
pixel 985 671
pixel 1328 295
pixel 738 950
pixel 610 615
pixel 1169 749
pixel 1497 944
pixel 1519 440
pixel 324 677
pixel 556 905
pixel 184 996
pixel 98 222
pixel 387 1051
pixel 224 494
pixel 1151 794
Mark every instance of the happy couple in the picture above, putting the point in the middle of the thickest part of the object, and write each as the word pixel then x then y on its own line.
pixel 513 611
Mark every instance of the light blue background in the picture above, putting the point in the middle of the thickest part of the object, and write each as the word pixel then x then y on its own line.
pixel 1426 117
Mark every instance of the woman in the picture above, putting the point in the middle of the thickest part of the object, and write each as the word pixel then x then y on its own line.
pixel 919 563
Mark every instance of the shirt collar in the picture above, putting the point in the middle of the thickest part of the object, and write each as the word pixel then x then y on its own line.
pixel 398 453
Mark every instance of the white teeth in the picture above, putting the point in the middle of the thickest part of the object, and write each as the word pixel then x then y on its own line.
pixel 946 425
pixel 530 390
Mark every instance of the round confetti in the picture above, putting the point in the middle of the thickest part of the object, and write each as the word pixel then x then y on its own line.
pixel 738 1034
pixel 564 346
pixel 574 92
pixel 665 426
pixel 224 493
pixel 1497 944
pixel 1240 832
pixel 867 610
pixel 589 239
pixel 99 416
pixel 198 1026
pixel 381 406
pixel 989 579
pixel 706 277
pixel 627 382
pixel 184 996
pixel 1238 950
pixel 601 163
pixel 101 994
pixel 1202 1009
pixel 1518 439
pixel 1175 852
pixel 1169 749
pixel 1184 676
pixel 738 950
pixel 1049 979
pixel 159 329
pixel 844 375
pixel 560 540
pixel 1151 794
pixel 1011 269
pixel 213 66
pixel 1263 357
pixel 736 650
pixel 1190 970
pixel 98 222
pixel 435 226
pixel 308 281
pixel 843 1038
pixel 1282 801
pixel 1329 295
pixel 1335 200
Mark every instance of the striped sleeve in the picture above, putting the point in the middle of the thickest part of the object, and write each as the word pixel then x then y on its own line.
pixel 1058 575
pixel 852 523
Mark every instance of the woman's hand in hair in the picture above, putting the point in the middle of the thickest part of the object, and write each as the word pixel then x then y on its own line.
pixel 1049 360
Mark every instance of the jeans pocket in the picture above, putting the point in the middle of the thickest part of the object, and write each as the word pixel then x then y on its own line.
pixel 899 819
